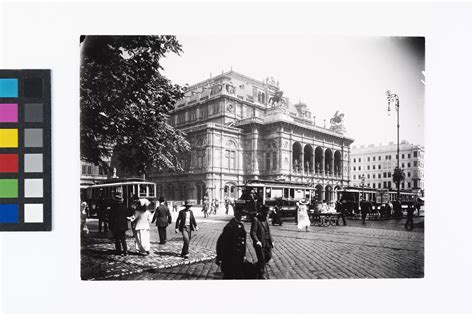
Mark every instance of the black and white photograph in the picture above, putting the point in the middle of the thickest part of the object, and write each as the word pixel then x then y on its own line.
pixel 252 157
pixel 236 157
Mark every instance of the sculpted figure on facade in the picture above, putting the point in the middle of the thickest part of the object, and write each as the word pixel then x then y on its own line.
pixel 337 123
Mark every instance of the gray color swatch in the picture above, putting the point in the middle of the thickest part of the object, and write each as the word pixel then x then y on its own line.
pixel 33 187
pixel 33 112
pixel 33 137
pixel 33 162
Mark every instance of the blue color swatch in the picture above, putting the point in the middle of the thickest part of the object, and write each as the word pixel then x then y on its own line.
pixel 8 88
pixel 8 213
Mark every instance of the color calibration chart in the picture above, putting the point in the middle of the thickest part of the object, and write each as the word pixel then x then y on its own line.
pixel 25 150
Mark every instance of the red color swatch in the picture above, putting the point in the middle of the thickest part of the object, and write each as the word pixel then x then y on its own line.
pixel 8 163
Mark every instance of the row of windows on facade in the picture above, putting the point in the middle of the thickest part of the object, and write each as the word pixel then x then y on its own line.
pixel 229 160
pixel 388 185
pixel 203 113
pixel 380 175
pixel 415 164
pixel 88 170
pixel 389 157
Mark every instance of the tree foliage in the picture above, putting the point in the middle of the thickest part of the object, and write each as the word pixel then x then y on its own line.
pixel 398 175
pixel 125 101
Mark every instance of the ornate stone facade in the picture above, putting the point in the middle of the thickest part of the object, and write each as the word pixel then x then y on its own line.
pixel 237 134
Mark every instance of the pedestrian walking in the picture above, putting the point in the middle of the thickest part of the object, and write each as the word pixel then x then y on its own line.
pixel 206 206
pixel 162 217
pixel 397 208
pixel 418 207
pixel 276 214
pixel 410 212
pixel 142 219
pixel 215 205
pixel 388 210
pixel 226 204
pixel 102 206
pixel 302 214
pixel 84 208
pixel 231 246
pixel 186 223
pixel 365 207
pixel 118 224
pixel 262 240
pixel 175 206
pixel 340 212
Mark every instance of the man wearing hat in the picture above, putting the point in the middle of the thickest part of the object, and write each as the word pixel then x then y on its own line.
pixel 186 223
pixel 118 223
pixel 162 217
pixel 231 247
pixel 262 239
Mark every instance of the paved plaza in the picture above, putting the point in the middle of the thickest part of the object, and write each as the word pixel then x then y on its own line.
pixel 379 249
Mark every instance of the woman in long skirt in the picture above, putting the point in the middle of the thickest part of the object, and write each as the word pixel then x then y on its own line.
pixel 303 218
pixel 142 219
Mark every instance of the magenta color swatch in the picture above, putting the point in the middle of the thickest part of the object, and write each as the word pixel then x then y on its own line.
pixel 8 112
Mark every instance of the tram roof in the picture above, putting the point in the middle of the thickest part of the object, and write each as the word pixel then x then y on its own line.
pixel 115 183
pixel 273 183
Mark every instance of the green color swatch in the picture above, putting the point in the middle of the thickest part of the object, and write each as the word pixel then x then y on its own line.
pixel 8 188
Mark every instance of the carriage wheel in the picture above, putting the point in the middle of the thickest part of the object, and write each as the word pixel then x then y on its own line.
pixel 327 221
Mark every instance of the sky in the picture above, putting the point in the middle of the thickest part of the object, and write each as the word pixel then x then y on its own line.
pixel 329 74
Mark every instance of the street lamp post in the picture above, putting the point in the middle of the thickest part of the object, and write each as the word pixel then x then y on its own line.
pixel 392 97
pixel 363 187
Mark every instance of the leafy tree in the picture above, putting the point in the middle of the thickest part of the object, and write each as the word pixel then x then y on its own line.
pixel 398 176
pixel 125 101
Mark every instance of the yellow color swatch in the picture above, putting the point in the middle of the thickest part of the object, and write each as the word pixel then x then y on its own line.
pixel 8 138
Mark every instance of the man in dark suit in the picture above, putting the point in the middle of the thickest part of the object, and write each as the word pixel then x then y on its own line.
pixel 118 224
pixel 364 207
pixel 262 240
pixel 410 212
pixel 186 223
pixel 162 217
pixel 102 214
pixel 340 210
pixel 231 246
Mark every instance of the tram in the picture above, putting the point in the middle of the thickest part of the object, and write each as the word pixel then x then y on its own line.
pixel 128 189
pixel 273 193
pixel 351 197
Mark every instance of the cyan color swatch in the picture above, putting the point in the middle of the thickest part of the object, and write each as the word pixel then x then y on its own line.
pixel 8 213
pixel 8 88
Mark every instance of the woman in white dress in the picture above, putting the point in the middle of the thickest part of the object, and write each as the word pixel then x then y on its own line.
pixel 303 218
pixel 142 219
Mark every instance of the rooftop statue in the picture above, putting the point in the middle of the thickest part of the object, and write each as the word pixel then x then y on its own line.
pixel 337 123
pixel 277 98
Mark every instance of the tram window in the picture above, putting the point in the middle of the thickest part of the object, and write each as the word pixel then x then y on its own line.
pixel 286 192
pixel 142 190
pixel 277 193
pixel 299 194
pixel 268 193
pixel 292 193
pixel 151 190
pixel 125 192
pixel 130 190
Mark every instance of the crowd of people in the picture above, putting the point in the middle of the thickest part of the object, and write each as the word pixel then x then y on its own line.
pixel 115 216
pixel 231 245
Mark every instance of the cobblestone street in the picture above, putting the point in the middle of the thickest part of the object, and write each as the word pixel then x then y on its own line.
pixel 379 249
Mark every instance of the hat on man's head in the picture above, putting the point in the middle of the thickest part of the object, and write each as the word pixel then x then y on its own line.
pixel 264 209
pixel 161 199
pixel 188 203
